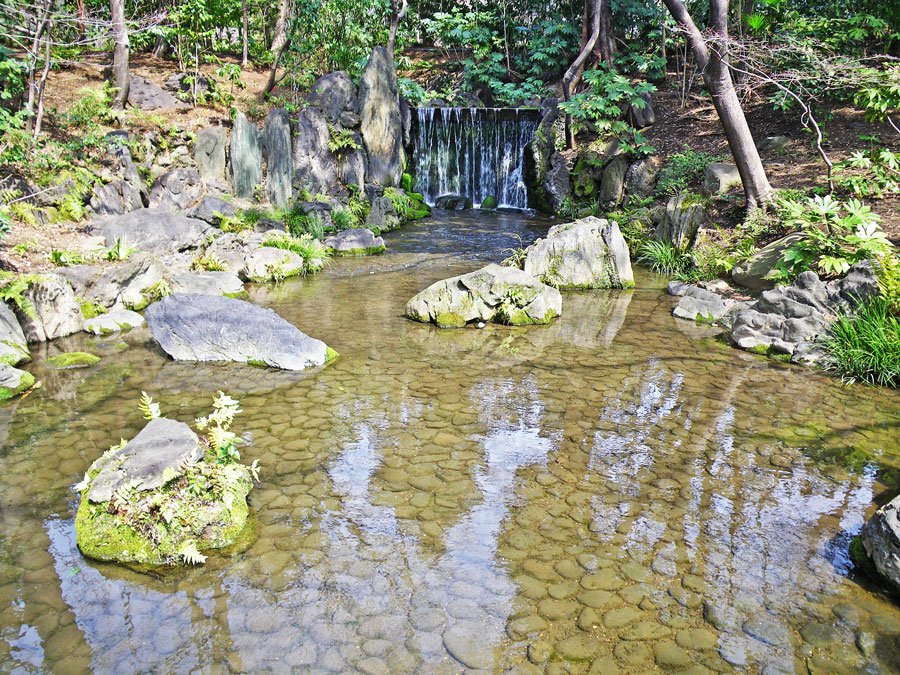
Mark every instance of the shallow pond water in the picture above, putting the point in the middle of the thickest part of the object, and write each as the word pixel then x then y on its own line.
pixel 615 491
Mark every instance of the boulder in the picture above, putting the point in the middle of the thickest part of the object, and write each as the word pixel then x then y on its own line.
pixel 132 284
pixel 453 202
pixel 380 122
pixel 117 320
pixel 146 95
pixel 209 153
pixel 13 345
pixel 276 145
pixel 698 304
pixel 333 94
pixel 589 253
pixel 382 215
pixel 640 178
pixel 208 283
pixel 178 517
pixel 315 167
pixel 193 327
pixel 755 273
pixel 790 319
pixel 489 203
pixel 231 249
pixel 121 152
pixel 720 178
pixel 267 263
pixel 56 310
pixel 152 231
pixel 880 538
pixel 643 116
pixel 358 241
pixel 80 276
pixel 537 155
pixel 494 293
pixel 683 218
pixel 556 183
pixel 212 209
pixel 13 381
pixel 775 143
pixel 176 190
pixel 612 186
pixel 183 85
pixel 245 159
pixel 352 165
pixel 114 198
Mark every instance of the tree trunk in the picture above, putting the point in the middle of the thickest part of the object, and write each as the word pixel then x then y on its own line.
pixel 40 93
pixel 245 39
pixel 42 25
pixel 712 60
pixel 396 18
pixel 120 53
pixel 604 46
pixel 81 18
pixel 279 42
pixel 594 12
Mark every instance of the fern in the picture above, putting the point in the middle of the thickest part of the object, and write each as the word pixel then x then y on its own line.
pixel 13 287
pixel 189 553
pixel 148 407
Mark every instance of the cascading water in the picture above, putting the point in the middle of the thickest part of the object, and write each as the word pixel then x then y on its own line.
pixel 473 152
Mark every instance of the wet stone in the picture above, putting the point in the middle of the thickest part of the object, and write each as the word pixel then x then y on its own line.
pixel 531 588
pixel 539 652
pixel 616 618
pixel 554 610
pixel 848 613
pixel 579 647
pixel 588 619
pixel 599 599
pixel 568 569
pixel 670 656
pixel 885 624
pixel 604 580
pixel 465 642
pixel 645 630
pixel 767 629
pixel 526 626
pixel 562 590
pixel 865 643
pixel 819 634
pixel 697 639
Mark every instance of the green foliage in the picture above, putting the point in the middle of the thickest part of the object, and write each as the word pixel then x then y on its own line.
pixel 412 92
pixel 664 258
pixel 403 203
pixel 879 95
pixel 299 223
pixel 314 254
pixel 343 219
pixel 66 258
pixel 604 104
pixel 517 254
pixel 13 287
pixel 341 142
pixel 684 170
pixel 91 109
pixel 118 251
pixel 837 236
pixel 871 172
pixel 866 347
pixel 887 270
pixel 217 426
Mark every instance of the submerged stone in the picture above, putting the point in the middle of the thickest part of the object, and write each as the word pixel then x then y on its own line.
pixel 72 360
pixel 494 293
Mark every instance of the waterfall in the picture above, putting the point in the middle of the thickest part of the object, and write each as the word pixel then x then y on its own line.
pixel 474 152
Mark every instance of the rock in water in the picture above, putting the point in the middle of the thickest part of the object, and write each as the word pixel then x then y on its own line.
pixel 684 216
pixel 380 123
pixel 589 253
pixel 152 231
pixel 13 381
pixel 245 166
pixel 208 283
pixel 315 167
pixel 192 327
pixel 57 312
pixel 881 540
pixel 453 202
pixel 494 293
pixel 276 140
pixel 209 153
pixel 358 241
pixel 131 284
pixel 113 322
pixel 175 522
pixel 13 346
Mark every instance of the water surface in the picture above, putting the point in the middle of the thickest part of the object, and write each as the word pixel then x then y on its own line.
pixel 617 490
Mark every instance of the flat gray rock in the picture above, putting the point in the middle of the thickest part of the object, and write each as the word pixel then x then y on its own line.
pixel 588 253
pixel 493 293
pixel 682 220
pixel 142 464
pixel 207 283
pixel 192 327
pixel 152 231
pixel 146 95
pixel 699 304
pixel 466 643
pixel 357 240
pixel 113 322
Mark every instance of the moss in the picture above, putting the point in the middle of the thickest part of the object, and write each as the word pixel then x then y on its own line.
pixel 330 354
pixel 406 182
pixel 240 295
pixel 423 211
pixel 72 360
pixel 19 354
pixel 489 202
pixel 449 320
pixel 418 197
pixel 257 363
pixel 25 382
pixel 783 358
pixel 373 250
pixel 862 560
pixel 91 310
pixel 758 349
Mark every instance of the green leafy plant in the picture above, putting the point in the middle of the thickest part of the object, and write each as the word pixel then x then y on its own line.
pixel 13 287
pixel 208 262
pixel 684 170
pixel 314 254
pixel 343 219
pixel 664 258
pixel 402 202
pixel 118 251
pixel 217 426
pixel 870 173
pixel 66 258
pixel 865 347
pixel 887 271
pixel 341 142
pixel 517 254
pixel 837 236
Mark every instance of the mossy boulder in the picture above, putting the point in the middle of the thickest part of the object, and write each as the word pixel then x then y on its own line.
pixel 357 241
pixel 160 499
pixel 496 293
pixel 489 202
pixel 13 381
pixel 71 360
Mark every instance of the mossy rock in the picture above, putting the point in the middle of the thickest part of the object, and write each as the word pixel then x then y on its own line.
pixel 26 382
pixel 449 320
pixel 406 182
pixel 72 360
pixel 330 354
pixel 489 202
pixel 356 252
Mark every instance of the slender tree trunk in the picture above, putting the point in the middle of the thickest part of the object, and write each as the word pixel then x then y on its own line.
pixel 712 60
pixel 42 25
pixel 604 46
pixel 81 18
pixel 279 42
pixel 396 17
pixel 120 53
pixel 578 64
pixel 38 118
pixel 245 30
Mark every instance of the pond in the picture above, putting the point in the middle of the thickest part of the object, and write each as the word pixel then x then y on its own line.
pixel 615 490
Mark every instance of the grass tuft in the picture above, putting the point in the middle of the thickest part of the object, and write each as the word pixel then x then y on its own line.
pixel 866 347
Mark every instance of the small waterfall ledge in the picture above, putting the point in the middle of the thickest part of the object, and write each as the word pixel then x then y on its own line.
pixel 478 153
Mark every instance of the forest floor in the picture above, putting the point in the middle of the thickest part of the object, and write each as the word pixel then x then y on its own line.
pixel 690 123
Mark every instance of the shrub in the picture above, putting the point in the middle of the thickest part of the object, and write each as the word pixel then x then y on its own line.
pixel 663 258
pixel 314 254
pixel 343 219
pixel 683 170
pixel 866 347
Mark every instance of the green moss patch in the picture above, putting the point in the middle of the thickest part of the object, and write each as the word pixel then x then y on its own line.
pixel 373 250
pixel 330 354
pixel 26 382
pixel 71 360
pixel 449 320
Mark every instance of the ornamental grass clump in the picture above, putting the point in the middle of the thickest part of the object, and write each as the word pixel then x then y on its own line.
pixel 866 347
